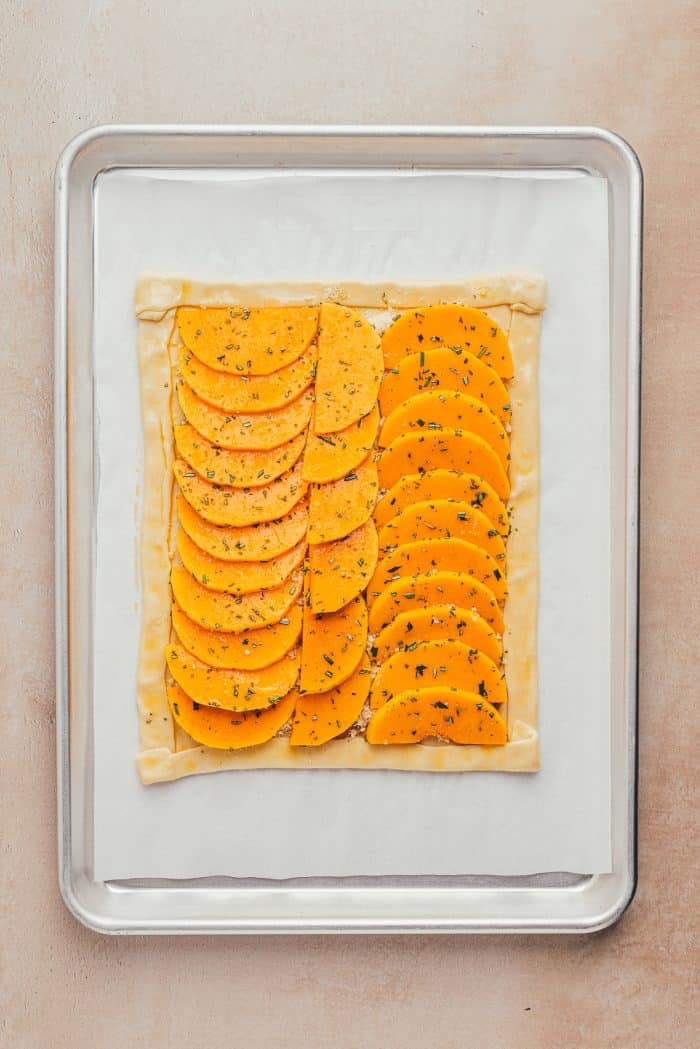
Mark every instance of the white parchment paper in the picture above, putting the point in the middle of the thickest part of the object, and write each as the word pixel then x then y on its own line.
pixel 250 226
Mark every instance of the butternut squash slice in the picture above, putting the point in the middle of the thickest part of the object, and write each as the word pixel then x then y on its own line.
pixel 248 393
pixel 240 507
pixel 450 326
pixel 245 432
pixel 237 577
pixel 232 689
pixel 338 508
pixel 437 555
pixel 332 646
pixel 340 570
pixel 328 457
pixel 411 593
pixel 442 449
pixel 439 663
pixel 251 650
pixel 233 614
pixel 447 409
pixel 448 370
pixel 350 368
pixel 247 341
pixel 446 713
pixel 255 543
pixel 237 469
pixel 325 715
pixel 437 623
pixel 443 484
pixel 442 518
pixel 227 729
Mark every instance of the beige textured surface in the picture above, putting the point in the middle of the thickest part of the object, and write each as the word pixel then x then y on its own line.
pixel 68 65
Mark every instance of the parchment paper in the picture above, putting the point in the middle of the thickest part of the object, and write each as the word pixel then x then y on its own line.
pixel 367 226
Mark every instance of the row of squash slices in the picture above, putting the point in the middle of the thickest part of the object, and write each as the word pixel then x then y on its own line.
pixel 341 560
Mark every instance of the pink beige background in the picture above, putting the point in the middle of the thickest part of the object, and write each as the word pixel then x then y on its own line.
pixel 632 67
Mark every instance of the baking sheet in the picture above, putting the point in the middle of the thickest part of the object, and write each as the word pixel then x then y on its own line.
pixel 367 226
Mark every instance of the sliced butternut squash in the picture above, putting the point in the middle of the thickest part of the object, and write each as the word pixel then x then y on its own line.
pixel 325 715
pixel 247 341
pixel 350 368
pixel 442 449
pixel 338 508
pixel 232 689
pixel 438 555
pixel 340 570
pixel 255 543
pixel 227 729
pixel 437 623
pixel 245 432
pixel 237 577
pixel 240 507
pixel 233 614
pixel 443 484
pixel 248 393
pixel 238 469
pixel 445 713
pixel 448 370
pixel 251 650
pixel 328 457
pixel 442 518
pixel 449 588
pixel 447 409
pixel 449 326
pixel 332 646
pixel 442 663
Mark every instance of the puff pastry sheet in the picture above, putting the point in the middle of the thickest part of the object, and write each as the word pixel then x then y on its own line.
pixel 515 301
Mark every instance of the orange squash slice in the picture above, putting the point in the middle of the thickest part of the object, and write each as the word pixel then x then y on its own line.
pixel 447 409
pixel 245 432
pixel 247 341
pixel 232 689
pixel 248 393
pixel 233 614
pixel 227 729
pixel 449 370
pixel 350 368
pixel 443 588
pixel 442 449
pixel 439 663
pixel 338 508
pixel 445 713
pixel 237 577
pixel 320 717
pixel 238 469
pixel 437 623
pixel 255 543
pixel 443 484
pixel 328 457
pixel 340 570
pixel 251 650
pixel 442 518
pixel 438 555
pixel 449 326
pixel 240 507
pixel 332 646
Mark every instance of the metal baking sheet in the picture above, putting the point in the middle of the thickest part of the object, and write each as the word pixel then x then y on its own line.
pixel 549 901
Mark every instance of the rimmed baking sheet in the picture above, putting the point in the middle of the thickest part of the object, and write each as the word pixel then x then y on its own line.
pixel 347 224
